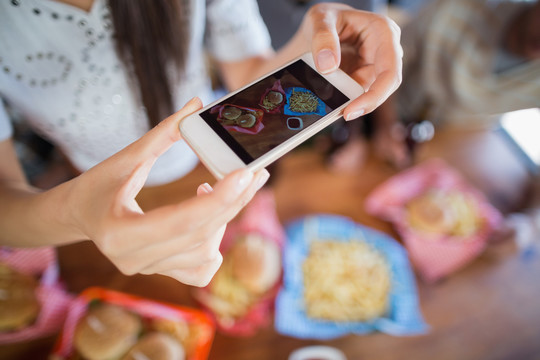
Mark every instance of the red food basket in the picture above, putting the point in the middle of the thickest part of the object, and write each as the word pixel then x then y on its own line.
pixel 146 308
pixel 255 129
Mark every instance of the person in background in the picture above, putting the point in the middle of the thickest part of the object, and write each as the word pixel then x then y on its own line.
pixel 95 77
pixel 283 17
pixel 464 61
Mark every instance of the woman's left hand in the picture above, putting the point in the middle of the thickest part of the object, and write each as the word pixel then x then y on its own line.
pixel 364 44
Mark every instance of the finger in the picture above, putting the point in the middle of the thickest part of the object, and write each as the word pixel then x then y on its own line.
pixel 193 215
pixel 377 40
pixel 196 243
pixel 229 212
pixel 136 180
pixel 200 276
pixel 385 84
pixel 380 48
pixel 125 197
pixel 154 143
pixel 204 253
pixel 325 45
pixel 195 219
pixel 365 76
pixel 130 167
pixel 176 253
pixel 210 211
pixel 166 133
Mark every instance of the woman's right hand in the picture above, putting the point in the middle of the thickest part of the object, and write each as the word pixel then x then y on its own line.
pixel 181 240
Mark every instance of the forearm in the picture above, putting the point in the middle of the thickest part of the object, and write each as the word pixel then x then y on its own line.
pixel 297 46
pixel 31 218
pixel 236 75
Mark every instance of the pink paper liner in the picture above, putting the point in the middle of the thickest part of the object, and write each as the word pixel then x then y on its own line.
pixel 276 87
pixel 260 217
pixel 52 297
pixel 434 256
pixel 255 129
pixel 146 308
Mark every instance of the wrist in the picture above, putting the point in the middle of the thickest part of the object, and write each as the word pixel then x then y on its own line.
pixel 60 207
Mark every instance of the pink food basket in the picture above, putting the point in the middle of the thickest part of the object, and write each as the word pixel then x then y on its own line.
pixel 434 255
pixel 53 299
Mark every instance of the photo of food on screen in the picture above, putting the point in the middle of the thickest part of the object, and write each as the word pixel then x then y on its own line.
pixel 271 111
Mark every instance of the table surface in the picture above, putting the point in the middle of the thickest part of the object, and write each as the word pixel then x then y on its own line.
pixel 488 310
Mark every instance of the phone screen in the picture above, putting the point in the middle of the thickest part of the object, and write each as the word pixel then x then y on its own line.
pixel 274 109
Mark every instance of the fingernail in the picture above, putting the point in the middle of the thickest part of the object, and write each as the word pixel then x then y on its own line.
pixel 326 61
pixel 262 178
pixel 244 180
pixel 194 102
pixel 355 115
pixel 207 188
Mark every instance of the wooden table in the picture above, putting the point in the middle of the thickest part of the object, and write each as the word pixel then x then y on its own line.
pixel 489 310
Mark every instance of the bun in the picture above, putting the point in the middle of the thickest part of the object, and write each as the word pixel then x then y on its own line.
pixel 256 263
pixel 274 97
pixel 430 213
pixel 231 113
pixel 156 346
pixel 106 332
pixel 19 305
pixel 247 120
pixel 452 213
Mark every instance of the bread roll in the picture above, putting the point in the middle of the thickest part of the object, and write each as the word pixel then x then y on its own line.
pixel 430 213
pixel 231 113
pixel 156 346
pixel 453 213
pixel 106 332
pixel 19 305
pixel 274 97
pixel 246 120
pixel 256 263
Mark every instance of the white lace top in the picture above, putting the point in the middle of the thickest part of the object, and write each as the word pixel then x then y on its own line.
pixel 60 71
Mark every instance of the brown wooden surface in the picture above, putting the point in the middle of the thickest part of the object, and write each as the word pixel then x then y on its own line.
pixel 489 310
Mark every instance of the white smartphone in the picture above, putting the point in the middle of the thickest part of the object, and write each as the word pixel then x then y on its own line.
pixel 257 124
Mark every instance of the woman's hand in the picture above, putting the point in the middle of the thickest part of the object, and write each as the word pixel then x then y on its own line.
pixel 180 240
pixel 364 44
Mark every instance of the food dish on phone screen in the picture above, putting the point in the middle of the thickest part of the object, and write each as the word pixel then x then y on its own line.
pixel 269 112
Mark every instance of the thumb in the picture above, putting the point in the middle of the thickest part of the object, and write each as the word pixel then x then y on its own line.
pixel 325 45
pixel 153 144
pixel 161 137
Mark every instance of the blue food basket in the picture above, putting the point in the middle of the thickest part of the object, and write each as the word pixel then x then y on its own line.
pixel 403 317
pixel 321 107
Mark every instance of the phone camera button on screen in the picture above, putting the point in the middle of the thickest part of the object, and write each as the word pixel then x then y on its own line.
pixel 295 123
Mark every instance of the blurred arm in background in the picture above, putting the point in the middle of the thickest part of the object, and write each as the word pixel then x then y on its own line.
pixel 464 61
